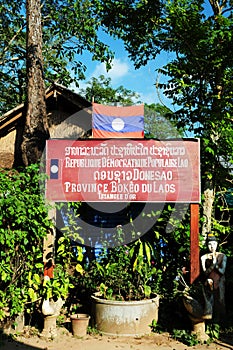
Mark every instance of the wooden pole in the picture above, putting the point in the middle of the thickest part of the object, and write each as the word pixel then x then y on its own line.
pixel 194 243
pixel 49 245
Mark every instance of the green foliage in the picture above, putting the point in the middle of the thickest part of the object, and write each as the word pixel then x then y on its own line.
pixel 170 238
pixel 159 122
pixel 213 330
pixel 71 230
pixel 93 331
pixel 148 264
pixel 23 225
pixel 66 264
pixel 185 337
pixel 138 277
pixel 198 76
pixel 101 90
pixel 155 327
pixel 70 27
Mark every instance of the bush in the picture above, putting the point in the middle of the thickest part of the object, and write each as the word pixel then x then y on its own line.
pixel 23 224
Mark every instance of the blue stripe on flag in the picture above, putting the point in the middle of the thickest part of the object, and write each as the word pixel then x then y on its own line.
pixel 131 124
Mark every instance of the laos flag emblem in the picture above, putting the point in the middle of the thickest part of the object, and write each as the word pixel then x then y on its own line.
pixel 117 122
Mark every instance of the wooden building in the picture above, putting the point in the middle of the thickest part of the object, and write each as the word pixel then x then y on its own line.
pixel 69 116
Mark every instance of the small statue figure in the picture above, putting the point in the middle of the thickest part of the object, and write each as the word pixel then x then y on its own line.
pixel 214 266
pixel 199 307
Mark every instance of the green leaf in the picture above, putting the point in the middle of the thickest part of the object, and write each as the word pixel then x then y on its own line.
pixel 148 252
pixel 32 294
pixel 147 291
pixel 4 276
pixel 79 269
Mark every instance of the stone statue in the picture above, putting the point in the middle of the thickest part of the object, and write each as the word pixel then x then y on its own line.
pixel 214 266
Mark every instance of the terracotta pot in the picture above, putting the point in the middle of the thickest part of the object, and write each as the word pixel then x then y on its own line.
pixel 79 324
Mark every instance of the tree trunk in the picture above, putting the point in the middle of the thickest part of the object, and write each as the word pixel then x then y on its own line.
pixel 207 211
pixel 36 127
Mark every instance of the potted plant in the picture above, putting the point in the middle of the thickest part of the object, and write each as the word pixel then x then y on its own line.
pixel 57 289
pixel 124 284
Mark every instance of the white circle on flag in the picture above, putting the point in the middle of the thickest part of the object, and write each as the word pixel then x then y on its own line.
pixel 118 124
pixel 54 169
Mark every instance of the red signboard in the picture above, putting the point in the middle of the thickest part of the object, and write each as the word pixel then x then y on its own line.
pixel 119 170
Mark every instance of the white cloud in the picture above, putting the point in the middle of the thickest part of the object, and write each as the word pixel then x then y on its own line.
pixel 119 70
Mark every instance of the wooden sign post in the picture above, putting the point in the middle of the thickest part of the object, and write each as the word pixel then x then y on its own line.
pixel 194 243
pixel 49 245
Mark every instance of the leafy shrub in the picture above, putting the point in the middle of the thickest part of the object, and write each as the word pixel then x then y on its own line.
pixel 185 337
pixel 24 223
pixel 124 272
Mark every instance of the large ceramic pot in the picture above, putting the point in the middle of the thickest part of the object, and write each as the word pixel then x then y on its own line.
pixel 124 318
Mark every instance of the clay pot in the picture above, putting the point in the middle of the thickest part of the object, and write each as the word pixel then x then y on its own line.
pixel 79 324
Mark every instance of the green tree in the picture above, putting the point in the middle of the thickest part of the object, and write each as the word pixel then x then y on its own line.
pixel 69 28
pixel 159 122
pixel 24 57
pixel 101 91
pixel 12 54
pixel 198 78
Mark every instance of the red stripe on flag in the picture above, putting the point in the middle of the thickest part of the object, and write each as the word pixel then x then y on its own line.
pixel 116 111
pixel 99 134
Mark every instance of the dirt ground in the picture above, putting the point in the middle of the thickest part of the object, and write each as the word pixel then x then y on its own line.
pixel 66 341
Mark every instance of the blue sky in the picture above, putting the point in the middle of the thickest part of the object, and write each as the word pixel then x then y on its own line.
pixel 123 73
